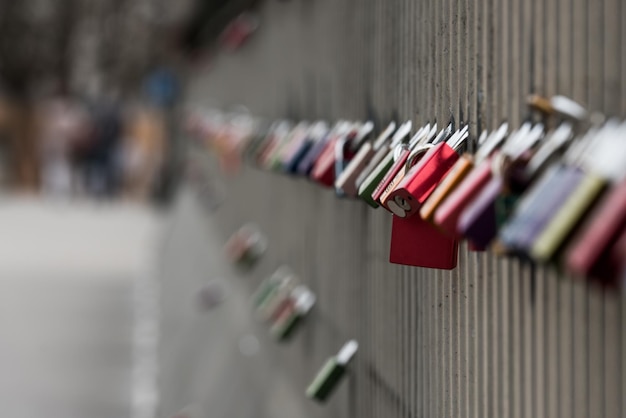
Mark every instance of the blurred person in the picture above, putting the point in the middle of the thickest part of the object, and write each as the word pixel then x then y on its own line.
pixel 143 152
pixel 19 144
pixel 62 124
pixel 98 154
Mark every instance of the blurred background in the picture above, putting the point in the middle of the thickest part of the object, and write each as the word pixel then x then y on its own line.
pixel 91 160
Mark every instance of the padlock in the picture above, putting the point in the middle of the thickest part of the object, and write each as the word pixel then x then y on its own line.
pixel 317 132
pixel 276 298
pixel 479 221
pixel 323 171
pixel 534 209
pixel 568 216
pixel 417 148
pixel 290 319
pixel 347 148
pixel 345 151
pixel 401 154
pixel 369 184
pixel 259 140
pixel 374 162
pixel 276 139
pixel 415 242
pixel 297 138
pixel 558 105
pixel 604 164
pixel 246 246
pixel 294 138
pixel 545 198
pixel 308 161
pixel 462 168
pixel 420 181
pixel 522 173
pixel 346 181
pixel 448 213
pixel 331 374
pixel 272 292
pixel 588 252
pixel 458 172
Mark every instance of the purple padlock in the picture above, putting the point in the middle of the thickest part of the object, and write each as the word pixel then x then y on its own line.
pixel 478 221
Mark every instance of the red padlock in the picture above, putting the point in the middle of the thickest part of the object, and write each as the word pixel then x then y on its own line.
pixel 448 214
pixel 403 153
pixel 416 242
pixel 324 169
pixel 587 255
pixel 424 177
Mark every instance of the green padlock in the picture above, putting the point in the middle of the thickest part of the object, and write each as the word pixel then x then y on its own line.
pixel 332 373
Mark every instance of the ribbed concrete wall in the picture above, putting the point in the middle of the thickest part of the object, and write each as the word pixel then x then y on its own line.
pixel 493 338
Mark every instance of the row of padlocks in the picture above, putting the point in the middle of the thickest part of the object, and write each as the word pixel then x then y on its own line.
pixel 552 190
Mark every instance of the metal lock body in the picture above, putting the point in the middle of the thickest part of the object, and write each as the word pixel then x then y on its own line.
pixel 286 323
pixel 278 139
pixel 316 134
pixel 374 162
pixel 298 137
pixel 448 213
pixel 262 148
pixel 405 158
pixel 367 188
pixel 397 168
pixel 269 287
pixel 559 105
pixel 420 181
pixel 284 307
pixel 257 141
pixel 347 149
pixel 479 221
pixel 589 251
pixel 565 220
pixel 415 242
pixel 553 206
pixel 275 298
pixel 386 198
pixel 374 178
pixel 323 171
pixel 537 205
pixel 294 138
pixel 459 171
pixel 308 161
pixel 331 373
pixel 487 143
pixel 347 180
pixel 604 163
pixel 326 380
pixel 246 246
